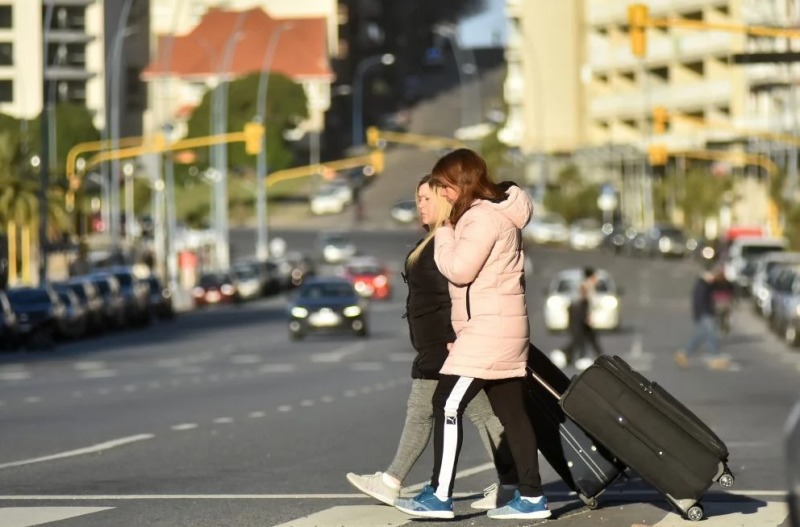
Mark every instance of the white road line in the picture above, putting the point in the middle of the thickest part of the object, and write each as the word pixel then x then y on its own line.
pixel 14 376
pixel 185 426
pixel 366 366
pixel 30 516
pixel 307 403
pixel 130 388
pixel 276 368
pixel 99 374
pixel 256 415
pixel 401 357
pixel 246 359
pixel 353 516
pixel 223 420
pixel 89 365
pixel 80 451
pixel 285 408
pixel 326 399
pixel 33 399
pixel 338 354
pixel 350 393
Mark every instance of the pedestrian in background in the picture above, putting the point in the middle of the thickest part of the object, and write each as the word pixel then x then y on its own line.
pixel 581 332
pixel 705 324
pixel 428 314
pixel 724 297
pixel 479 251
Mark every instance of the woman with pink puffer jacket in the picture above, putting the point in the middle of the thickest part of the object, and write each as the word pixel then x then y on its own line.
pixel 480 253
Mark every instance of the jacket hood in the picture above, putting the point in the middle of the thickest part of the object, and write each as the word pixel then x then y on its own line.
pixel 517 206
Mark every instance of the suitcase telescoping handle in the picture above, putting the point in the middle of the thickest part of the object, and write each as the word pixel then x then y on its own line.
pixel 544 384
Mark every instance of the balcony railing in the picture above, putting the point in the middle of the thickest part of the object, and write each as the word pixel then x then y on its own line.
pixel 632 105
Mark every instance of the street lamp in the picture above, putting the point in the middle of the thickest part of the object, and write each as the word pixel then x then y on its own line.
pixel 358 126
pixel 470 111
pixel 261 169
pixel 127 171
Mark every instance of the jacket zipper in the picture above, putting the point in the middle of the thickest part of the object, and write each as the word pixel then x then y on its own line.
pixel 469 312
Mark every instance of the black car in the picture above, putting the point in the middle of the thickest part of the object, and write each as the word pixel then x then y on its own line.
pixel 76 318
pixel 136 294
pixel 40 313
pixel 91 300
pixel 160 299
pixel 9 324
pixel 326 305
pixel 107 287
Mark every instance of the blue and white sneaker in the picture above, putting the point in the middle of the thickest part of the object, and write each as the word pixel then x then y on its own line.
pixel 426 505
pixel 521 509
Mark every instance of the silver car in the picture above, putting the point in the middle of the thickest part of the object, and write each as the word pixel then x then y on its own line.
pixel 604 310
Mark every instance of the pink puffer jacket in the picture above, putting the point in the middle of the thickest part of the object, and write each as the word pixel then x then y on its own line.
pixel 483 260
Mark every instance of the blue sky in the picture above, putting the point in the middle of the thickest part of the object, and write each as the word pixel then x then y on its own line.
pixel 487 29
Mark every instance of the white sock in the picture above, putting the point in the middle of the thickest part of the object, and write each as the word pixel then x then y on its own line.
pixel 389 481
pixel 532 499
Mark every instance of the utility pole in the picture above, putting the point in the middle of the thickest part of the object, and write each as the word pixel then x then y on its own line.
pixel 44 162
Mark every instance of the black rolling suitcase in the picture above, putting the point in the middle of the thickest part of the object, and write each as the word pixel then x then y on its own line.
pixel 585 466
pixel 650 431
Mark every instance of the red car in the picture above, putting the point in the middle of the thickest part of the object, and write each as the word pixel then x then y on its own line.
pixel 215 288
pixel 370 278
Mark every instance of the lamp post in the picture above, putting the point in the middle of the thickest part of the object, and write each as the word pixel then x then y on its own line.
pixel 121 34
pixel 262 237
pixel 470 110
pixel 358 126
pixel 220 109
pixel 44 172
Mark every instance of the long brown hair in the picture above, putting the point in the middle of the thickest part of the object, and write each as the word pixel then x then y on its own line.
pixel 465 170
pixel 443 211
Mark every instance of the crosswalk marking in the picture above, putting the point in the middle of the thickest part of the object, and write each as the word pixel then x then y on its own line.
pixel 353 516
pixel 770 514
pixel 29 516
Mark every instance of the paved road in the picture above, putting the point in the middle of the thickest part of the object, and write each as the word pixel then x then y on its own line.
pixel 217 419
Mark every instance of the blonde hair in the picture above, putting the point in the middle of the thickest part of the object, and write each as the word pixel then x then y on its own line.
pixel 443 208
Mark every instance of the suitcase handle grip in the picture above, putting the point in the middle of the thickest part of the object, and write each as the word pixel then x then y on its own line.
pixel 544 384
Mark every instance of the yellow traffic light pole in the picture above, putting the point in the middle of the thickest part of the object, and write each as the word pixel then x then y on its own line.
pixel 375 135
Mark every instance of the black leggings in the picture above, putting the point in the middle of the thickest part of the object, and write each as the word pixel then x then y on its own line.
pixel 507 397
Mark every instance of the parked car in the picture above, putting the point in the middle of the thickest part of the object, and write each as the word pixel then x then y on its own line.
pixel 91 299
pixel 743 250
pixel 759 290
pixel 785 299
pixel 343 189
pixel 107 287
pixel 325 304
pixel 76 317
pixel 327 199
pixel 248 281
pixel 618 237
pixel 135 293
pixel 604 310
pixel 661 240
pixel 585 234
pixel 405 211
pixel 793 465
pixel 160 299
pixel 9 324
pixel 39 311
pixel 215 288
pixel 370 277
pixel 550 228
pixel 336 247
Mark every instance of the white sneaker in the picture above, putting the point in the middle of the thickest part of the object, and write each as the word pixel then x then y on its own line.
pixel 494 496
pixel 373 485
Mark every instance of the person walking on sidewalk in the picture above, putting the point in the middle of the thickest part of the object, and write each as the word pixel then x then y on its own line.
pixel 705 324
pixel 479 251
pixel 428 314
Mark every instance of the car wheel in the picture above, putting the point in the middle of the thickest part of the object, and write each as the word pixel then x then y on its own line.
pixel 296 335
pixel 362 332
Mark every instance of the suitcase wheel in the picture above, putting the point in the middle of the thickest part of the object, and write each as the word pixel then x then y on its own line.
pixel 695 513
pixel 591 503
pixel 726 480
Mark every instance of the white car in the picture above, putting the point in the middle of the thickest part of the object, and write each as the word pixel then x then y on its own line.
pixel 586 234
pixel 327 200
pixel 343 190
pixel 405 211
pixel 550 228
pixel 336 247
pixel 604 310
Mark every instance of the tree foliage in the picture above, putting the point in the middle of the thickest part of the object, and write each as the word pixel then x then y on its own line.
pixel 573 198
pixel 285 108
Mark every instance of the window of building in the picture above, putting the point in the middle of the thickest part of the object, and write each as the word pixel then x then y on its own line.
pixel 6 21
pixel 6 54
pixel 6 91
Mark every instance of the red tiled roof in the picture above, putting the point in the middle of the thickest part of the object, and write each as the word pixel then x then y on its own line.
pixel 300 52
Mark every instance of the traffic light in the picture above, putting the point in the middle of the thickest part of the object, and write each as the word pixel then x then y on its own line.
pixel 253 137
pixel 637 18
pixel 660 118
pixel 373 136
pixel 376 160
pixel 657 155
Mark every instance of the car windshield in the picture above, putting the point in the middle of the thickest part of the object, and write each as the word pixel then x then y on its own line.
pixel 326 191
pixel 337 241
pixel 155 286
pixel 211 280
pixel 65 298
pixel 79 291
pixel 570 286
pixel 103 286
pixel 406 205
pixel 327 290
pixel 749 251
pixel 245 273
pixel 671 232
pixel 124 279
pixel 29 296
